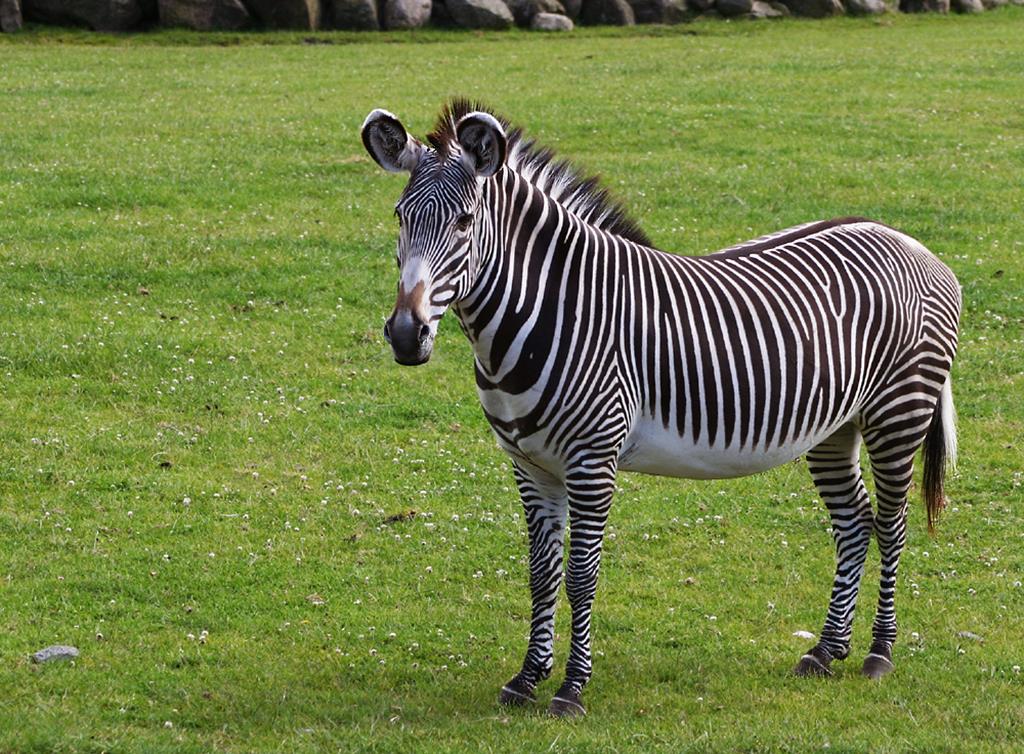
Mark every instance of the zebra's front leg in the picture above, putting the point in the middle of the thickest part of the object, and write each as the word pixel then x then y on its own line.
pixel 590 496
pixel 545 504
pixel 835 467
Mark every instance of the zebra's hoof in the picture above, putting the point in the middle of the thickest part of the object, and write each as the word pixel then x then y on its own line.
pixel 516 693
pixel 814 664
pixel 876 666
pixel 566 704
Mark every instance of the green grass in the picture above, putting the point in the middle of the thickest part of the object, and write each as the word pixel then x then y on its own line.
pixel 195 263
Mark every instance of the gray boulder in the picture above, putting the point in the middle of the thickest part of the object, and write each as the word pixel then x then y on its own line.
pixel 551 22
pixel 733 8
pixel 406 14
pixel 573 7
pixel 524 10
pixel 677 11
pixel 814 8
pixel 480 14
pixel 10 16
pixel 648 11
pixel 865 7
pixel 924 6
pixel 286 14
pixel 354 14
pixel 700 6
pixel 99 15
pixel 760 9
pixel 967 6
pixel 439 15
pixel 205 15
pixel 990 4
pixel 607 13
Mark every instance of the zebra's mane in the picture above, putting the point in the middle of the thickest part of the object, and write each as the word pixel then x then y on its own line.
pixel 579 193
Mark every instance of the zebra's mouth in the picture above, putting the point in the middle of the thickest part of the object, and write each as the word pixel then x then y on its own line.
pixel 414 361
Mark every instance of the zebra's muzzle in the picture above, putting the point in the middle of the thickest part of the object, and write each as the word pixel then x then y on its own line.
pixel 410 338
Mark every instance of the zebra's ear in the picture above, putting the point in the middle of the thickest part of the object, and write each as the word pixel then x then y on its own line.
pixel 483 142
pixel 386 140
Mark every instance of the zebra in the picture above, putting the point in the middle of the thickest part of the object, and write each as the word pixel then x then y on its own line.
pixel 596 353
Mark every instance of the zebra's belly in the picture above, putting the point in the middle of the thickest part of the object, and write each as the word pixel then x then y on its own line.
pixel 652 449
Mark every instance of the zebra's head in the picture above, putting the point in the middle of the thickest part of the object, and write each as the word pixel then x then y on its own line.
pixel 437 215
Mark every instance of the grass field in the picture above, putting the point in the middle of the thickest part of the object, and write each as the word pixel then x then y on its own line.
pixel 208 460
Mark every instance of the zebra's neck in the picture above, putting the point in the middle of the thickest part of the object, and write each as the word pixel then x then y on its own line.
pixel 529 249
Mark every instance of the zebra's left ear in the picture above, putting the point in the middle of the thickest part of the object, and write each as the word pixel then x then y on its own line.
pixel 483 142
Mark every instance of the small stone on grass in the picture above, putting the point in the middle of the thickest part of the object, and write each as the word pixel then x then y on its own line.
pixel 56 652
pixel 970 635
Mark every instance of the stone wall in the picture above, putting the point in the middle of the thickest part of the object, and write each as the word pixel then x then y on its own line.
pixel 541 15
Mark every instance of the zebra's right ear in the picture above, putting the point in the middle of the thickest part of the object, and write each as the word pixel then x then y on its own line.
pixel 386 140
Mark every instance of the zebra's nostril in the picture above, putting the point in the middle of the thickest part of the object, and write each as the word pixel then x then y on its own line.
pixel 424 332
pixel 387 332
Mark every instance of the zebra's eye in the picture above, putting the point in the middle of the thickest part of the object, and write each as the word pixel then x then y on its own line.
pixel 464 222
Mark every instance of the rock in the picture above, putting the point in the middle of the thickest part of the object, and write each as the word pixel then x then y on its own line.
pixel 990 4
pixel 439 15
pixel 480 14
pixel 761 9
pixel 814 8
pixel 970 635
pixel 607 13
pixel 523 11
pixel 98 15
pixel 572 8
pixel 286 14
pixel 10 16
pixel 406 14
pixel 354 14
pixel 56 652
pixel 551 22
pixel 648 11
pixel 700 6
pixel 676 11
pixel 204 15
pixel 924 6
pixel 865 7
pixel 732 8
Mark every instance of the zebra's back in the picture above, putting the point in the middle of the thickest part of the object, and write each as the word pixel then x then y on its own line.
pixel 750 356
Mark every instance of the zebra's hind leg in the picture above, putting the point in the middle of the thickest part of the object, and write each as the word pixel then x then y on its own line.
pixel 892 466
pixel 545 504
pixel 835 467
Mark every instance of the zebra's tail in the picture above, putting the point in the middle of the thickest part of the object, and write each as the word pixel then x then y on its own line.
pixel 939 449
